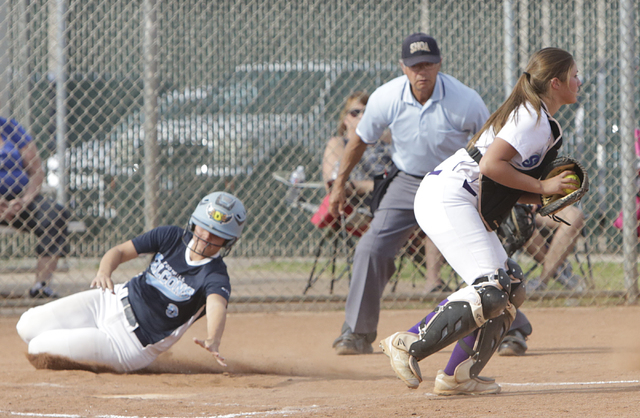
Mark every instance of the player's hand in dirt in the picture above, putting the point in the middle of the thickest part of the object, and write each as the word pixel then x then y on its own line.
pixel 210 346
pixel 102 281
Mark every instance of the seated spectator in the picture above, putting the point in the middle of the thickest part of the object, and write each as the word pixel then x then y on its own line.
pixel 24 208
pixel 618 222
pixel 553 253
pixel 375 160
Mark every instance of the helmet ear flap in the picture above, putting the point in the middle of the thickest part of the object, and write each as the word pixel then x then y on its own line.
pixel 228 244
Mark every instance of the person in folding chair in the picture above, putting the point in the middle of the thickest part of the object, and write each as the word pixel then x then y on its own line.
pixel 618 221
pixel 550 243
pixel 430 115
pixel 375 160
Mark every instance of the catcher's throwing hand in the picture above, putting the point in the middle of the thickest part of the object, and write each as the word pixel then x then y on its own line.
pixel 564 182
pixel 102 281
pixel 213 348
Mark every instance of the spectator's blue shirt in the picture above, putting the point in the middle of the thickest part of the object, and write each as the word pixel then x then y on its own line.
pixel 423 136
pixel 13 174
pixel 172 289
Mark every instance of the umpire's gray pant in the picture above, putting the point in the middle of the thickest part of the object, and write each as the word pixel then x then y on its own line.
pixel 374 259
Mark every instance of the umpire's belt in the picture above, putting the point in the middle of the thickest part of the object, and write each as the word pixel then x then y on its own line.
pixel 131 319
pixel 414 176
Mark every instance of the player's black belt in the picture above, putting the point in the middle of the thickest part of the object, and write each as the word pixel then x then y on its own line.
pixel 131 319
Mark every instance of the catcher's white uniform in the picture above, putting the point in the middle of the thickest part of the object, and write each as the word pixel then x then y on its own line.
pixel 446 204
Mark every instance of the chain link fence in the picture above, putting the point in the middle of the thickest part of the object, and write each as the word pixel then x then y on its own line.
pixel 138 109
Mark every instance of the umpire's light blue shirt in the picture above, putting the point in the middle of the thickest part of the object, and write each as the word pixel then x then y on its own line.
pixel 423 136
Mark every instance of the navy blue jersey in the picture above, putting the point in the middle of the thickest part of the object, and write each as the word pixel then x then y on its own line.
pixel 171 291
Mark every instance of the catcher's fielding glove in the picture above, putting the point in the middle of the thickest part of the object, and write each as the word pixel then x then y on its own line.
pixel 552 204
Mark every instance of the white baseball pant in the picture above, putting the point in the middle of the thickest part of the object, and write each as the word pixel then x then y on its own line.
pixel 448 213
pixel 90 327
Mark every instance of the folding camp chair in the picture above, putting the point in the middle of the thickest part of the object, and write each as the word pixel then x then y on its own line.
pixel 340 234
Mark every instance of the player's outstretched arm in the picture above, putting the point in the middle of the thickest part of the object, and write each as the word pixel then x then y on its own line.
pixel 216 319
pixel 110 261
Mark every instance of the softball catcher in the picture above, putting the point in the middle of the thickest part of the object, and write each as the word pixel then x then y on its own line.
pixel 126 326
pixel 459 206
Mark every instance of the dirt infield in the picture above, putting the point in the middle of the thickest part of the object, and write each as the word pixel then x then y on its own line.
pixel 582 362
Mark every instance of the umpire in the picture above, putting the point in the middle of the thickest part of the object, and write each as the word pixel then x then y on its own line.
pixel 430 115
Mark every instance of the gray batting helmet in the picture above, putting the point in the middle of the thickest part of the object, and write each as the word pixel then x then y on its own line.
pixel 221 214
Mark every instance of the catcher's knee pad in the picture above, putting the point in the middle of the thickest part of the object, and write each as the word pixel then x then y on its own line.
pixel 518 292
pixel 489 338
pixel 494 293
pixel 514 270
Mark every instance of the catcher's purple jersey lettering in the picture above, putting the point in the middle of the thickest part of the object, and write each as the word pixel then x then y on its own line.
pixel 171 290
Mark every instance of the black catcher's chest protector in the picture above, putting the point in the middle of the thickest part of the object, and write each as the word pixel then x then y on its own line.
pixel 497 200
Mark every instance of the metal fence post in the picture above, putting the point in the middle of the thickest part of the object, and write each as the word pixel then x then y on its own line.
pixel 601 92
pixel 150 94
pixel 510 63
pixel 424 17
pixel 523 34
pixel 5 79
pixel 627 124
pixel 57 64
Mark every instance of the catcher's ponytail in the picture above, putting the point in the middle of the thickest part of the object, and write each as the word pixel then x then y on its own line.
pixel 544 65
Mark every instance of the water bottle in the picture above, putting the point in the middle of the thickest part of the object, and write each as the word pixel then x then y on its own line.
pixel 297 177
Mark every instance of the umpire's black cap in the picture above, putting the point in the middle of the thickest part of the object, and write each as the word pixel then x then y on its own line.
pixel 419 47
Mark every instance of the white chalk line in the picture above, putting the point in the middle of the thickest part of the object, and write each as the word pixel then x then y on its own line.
pixel 603 382
pixel 283 412
pixel 552 384
pixel 295 411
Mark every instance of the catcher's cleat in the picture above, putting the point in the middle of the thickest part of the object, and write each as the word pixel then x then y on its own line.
pixel 462 384
pixel 514 344
pixel 396 347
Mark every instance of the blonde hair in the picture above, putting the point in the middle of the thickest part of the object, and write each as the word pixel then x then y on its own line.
pixel 544 65
pixel 356 96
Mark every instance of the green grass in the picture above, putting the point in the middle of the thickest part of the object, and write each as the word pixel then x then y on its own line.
pixel 606 275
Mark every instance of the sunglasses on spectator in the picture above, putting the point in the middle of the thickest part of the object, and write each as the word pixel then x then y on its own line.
pixel 355 112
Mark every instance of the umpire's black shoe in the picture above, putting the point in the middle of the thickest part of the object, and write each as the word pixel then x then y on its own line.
pixel 41 291
pixel 352 343
pixel 513 344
